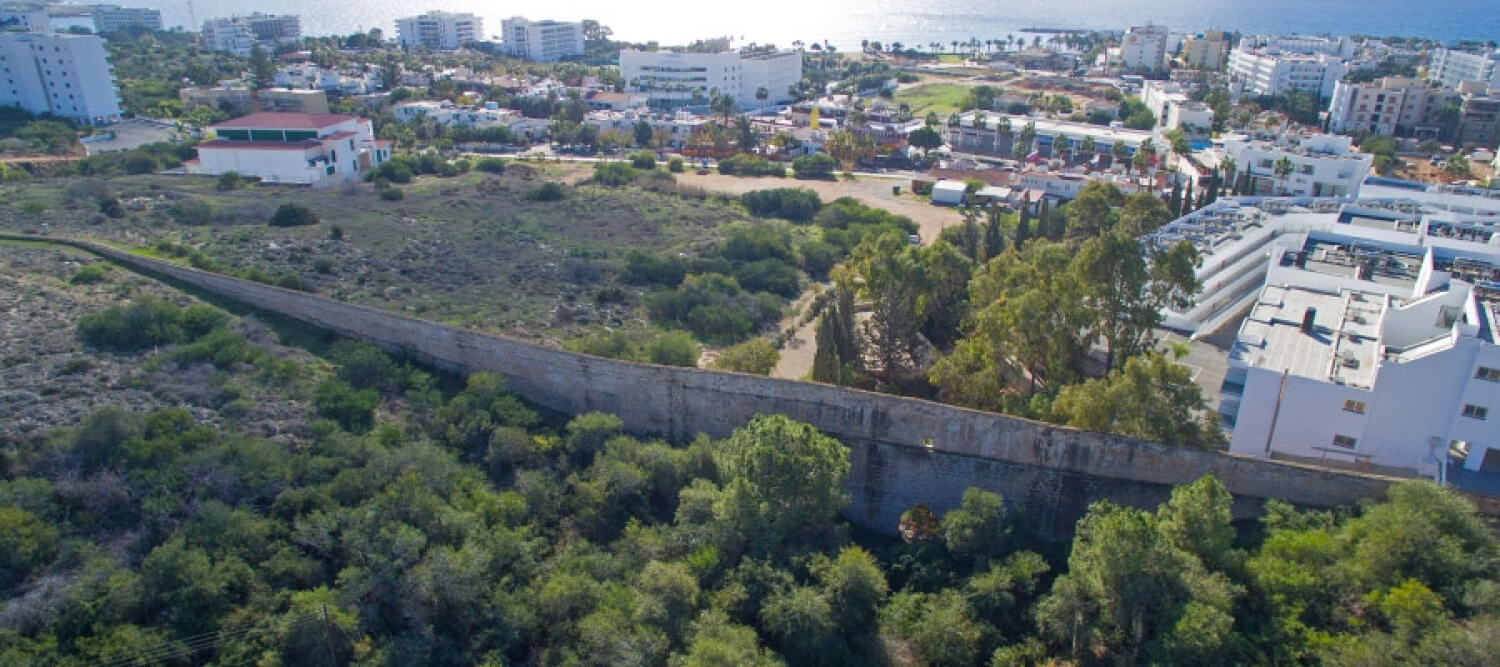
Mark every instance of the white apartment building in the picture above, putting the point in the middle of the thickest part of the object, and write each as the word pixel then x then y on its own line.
pixel 675 127
pixel 439 31
pixel 1144 47
pixel 240 34
pixel 300 148
pixel 1323 165
pixel 991 136
pixel 1339 47
pixel 1174 109
pixel 542 41
pixel 1206 50
pixel 676 78
pixel 1371 334
pixel 1273 72
pixel 114 17
pixel 68 76
pixel 1452 68
pixel 1390 106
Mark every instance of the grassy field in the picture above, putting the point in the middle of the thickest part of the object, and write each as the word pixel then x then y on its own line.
pixel 941 98
pixel 471 250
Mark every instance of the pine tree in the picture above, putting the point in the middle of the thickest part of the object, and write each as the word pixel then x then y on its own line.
pixel 826 359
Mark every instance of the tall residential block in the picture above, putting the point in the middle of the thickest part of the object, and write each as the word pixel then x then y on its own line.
pixel 438 31
pixel 68 76
pixel 542 41
pixel 240 34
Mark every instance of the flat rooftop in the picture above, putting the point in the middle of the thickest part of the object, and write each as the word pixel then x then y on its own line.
pixel 1339 347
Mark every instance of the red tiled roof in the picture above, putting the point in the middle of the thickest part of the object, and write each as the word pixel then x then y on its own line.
pixel 383 142
pixel 339 135
pixel 285 120
pixel 259 145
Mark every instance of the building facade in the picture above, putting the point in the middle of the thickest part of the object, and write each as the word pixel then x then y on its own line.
pixel 542 41
pixel 672 78
pixel 298 148
pixel 1144 47
pixel 1272 72
pixel 240 34
pixel 1208 50
pixel 240 101
pixel 439 31
pixel 1173 109
pixel 108 18
pixel 1323 165
pixel 1452 68
pixel 1399 106
pixel 68 76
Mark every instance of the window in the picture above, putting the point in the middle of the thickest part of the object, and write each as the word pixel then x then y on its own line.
pixel 1476 412
pixel 1488 374
pixel 1343 441
pixel 1354 406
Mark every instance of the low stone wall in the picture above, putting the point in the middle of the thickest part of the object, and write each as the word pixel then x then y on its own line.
pixel 905 450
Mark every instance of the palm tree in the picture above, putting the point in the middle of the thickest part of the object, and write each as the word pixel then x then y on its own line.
pixel 1118 151
pixel 761 95
pixel 1282 169
pixel 1227 165
pixel 955 46
pixel 1088 147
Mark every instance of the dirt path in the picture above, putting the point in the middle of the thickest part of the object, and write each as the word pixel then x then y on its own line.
pixel 797 354
pixel 869 190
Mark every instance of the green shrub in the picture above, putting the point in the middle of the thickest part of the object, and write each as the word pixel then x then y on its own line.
pixel 795 204
pixel 222 347
pixel 613 173
pixel 90 274
pixel 675 165
pixel 750 165
pixel 490 165
pixel 768 275
pixel 673 349
pixel 548 191
pixel 816 165
pixel 754 242
pixel 644 269
pixel 817 257
pixel 714 308
pixel 229 180
pixel 353 409
pixel 645 160
pixel 392 194
pixel 293 215
pixel 610 345
pixel 111 207
pixel 756 356
pixel 147 322
pixel 191 212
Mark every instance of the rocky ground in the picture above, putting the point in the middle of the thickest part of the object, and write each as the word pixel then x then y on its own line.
pixel 48 379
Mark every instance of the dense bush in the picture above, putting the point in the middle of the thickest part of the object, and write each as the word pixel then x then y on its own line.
pixel 756 356
pixel 293 215
pixel 229 180
pixel 675 165
pixel 614 173
pixel 715 308
pixel 846 222
pixel 674 348
pixel 750 243
pixel 392 194
pixel 750 165
pixel 817 257
pixel 645 269
pixel 490 165
pixel 644 160
pixel 548 191
pixel 817 165
pixel 353 409
pixel 795 204
pixel 191 212
pixel 90 274
pixel 768 275
pixel 147 322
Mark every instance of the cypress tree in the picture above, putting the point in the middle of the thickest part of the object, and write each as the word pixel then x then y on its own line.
pixel 1174 204
pixel 843 326
pixel 994 237
pixel 1187 200
pixel 826 359
pixel 1023 227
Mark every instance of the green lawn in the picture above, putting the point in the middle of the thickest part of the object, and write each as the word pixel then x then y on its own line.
pixel 942 98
